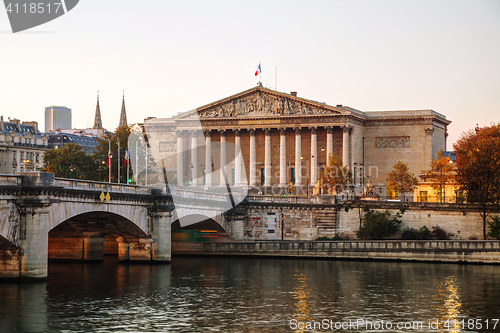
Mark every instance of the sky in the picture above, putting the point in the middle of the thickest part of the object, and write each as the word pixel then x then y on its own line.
pixel 171 56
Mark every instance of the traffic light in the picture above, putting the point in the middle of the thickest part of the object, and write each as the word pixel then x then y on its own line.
pixel 129 181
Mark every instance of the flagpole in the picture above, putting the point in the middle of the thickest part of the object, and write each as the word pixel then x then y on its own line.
pixel 109 160
pixel 146 163
pixel 260 73
pixel 136 176
pixel 118 161
pixel 128 163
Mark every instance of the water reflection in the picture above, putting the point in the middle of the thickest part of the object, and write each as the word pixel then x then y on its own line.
pixel 245 295
pixel 301 294
pixel 447 305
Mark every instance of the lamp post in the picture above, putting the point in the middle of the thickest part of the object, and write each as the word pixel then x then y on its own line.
pixel 26 161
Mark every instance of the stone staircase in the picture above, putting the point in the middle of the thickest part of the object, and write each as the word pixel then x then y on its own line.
pixel 326 222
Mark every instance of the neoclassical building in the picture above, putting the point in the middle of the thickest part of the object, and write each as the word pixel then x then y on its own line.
pixel 286 139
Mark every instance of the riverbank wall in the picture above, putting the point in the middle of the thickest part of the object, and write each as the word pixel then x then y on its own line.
pixel 454 251
pixel 298 218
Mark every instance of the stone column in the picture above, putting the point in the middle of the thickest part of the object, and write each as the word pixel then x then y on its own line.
pixel 253 160
pixel 267 158
pixel 123 249
pixel 33 235
pixel 160 232
pixel 314 155
pixel 237 156
pixel 180 167
pixel 208 157
pixel 282 156
pixel 329 142
pixel 194 157
pixel 345 144
pixel 298 153
pixel 93 248
pixel 222 177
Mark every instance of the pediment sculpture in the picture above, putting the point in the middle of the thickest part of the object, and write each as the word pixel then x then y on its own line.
pixel 259 104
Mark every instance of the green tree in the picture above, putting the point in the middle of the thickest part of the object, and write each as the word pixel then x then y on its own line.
pixel 442 171
pixel 400 179
pixel 478 167
pixel 379 225
pixel 335 177
pixel 72 161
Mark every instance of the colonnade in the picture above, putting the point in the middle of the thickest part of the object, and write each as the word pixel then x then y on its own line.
pixel 253 161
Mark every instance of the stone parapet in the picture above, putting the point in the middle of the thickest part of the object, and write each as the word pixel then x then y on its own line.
pixel 482 252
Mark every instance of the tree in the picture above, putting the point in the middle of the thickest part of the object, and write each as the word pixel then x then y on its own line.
pixel 442 171
pixel 400 179
pixel 72 161
pixel 379 225
pixel 101 153
pixel 335 177
pixel 478 167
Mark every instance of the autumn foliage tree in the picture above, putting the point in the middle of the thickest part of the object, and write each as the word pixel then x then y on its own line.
pixel 442 171
pixel 478 167
pixel 400 179
pixel 335 177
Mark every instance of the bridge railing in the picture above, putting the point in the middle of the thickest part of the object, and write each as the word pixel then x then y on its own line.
pixel 200 195
pixel 106 187
pixel 10 180
pixel 290 199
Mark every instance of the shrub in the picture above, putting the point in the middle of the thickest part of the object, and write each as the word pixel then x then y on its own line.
pixel 416 234
pixel 439 233
pixel 379 225
pixel 494 227
pixel 337 237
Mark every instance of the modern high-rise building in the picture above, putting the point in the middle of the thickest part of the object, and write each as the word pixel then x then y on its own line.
pixel 57 117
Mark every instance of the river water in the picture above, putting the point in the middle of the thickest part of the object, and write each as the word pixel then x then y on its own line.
pixel 255 295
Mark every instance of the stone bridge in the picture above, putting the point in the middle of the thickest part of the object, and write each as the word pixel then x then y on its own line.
pixel 42 217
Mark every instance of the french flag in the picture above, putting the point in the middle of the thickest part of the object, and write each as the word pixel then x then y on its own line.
pixel 126 157
pixel 257 72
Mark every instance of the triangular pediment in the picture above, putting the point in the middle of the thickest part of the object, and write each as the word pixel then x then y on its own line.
pixel 262 102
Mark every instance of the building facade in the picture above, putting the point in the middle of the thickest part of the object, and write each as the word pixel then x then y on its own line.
pixel 57 117
pixel 287 139
pixel 22 146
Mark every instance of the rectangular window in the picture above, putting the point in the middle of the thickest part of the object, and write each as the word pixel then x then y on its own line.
pixel 232 177
pixel 423 196
pixel 36 158
pixel 262 177
pixel 14 155
pixel 21 156
pixel 34 141
pixel 292 175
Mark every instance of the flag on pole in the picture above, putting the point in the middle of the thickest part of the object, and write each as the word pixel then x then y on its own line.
pixel 109 154
pixel 257 72
pixel 146 156
pixel 125 162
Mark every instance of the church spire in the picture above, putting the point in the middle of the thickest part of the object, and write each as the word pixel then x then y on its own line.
pixel 123 114
pixel 97 118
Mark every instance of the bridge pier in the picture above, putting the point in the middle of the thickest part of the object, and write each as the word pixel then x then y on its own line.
pixel 160 228
pixel 65 248
pixel 93 248
pixel 34 241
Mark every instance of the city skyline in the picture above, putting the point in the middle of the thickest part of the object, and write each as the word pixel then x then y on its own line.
pixel 379 56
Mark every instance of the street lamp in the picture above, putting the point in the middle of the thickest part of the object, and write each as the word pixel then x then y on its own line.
pixel 26 161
